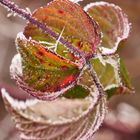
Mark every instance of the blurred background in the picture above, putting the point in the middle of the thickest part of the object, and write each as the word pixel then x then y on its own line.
pixel 123 121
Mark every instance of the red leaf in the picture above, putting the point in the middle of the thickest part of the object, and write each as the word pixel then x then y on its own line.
pixel 113 23
pixel 69 17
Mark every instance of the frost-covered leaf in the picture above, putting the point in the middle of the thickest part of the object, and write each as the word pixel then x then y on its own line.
pixel 70 20
pixel 42 69
pixel 107 70
pixel 113 23
pixel 60 119
pixel 112 74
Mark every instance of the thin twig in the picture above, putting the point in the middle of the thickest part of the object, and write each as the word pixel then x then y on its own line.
pixel 96 79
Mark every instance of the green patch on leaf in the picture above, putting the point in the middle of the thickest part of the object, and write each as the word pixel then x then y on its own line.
pixel 125 76
pixel 76 92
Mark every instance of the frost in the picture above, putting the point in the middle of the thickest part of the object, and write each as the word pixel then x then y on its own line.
pixel 76 1
pixel 58 40
pixel 11 14
pixel 28 10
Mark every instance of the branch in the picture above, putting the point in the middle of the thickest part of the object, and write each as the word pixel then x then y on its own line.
pixel 95 79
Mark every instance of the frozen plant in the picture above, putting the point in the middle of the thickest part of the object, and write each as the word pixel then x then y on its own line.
pixel 67 59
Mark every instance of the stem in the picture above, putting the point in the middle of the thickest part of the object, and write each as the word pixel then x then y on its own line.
pixel 96 79
pixel 22 13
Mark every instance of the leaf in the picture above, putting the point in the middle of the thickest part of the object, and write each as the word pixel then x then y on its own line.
pixel 69 17
pixel 113 23
pixel 76 92
pixel 107 70
pixel 42 69
pixel 112 74
pixel 125 75
pixel 60 119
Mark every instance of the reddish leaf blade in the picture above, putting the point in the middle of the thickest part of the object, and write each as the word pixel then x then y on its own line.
pixel 113 23
pixel 69 17
pixel 44 70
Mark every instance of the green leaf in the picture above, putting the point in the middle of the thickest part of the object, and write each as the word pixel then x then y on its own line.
pixel 112 74
pixel 69 20
pixel 125 76
pixel 44 70
pixel 113 23
pixel 76 92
